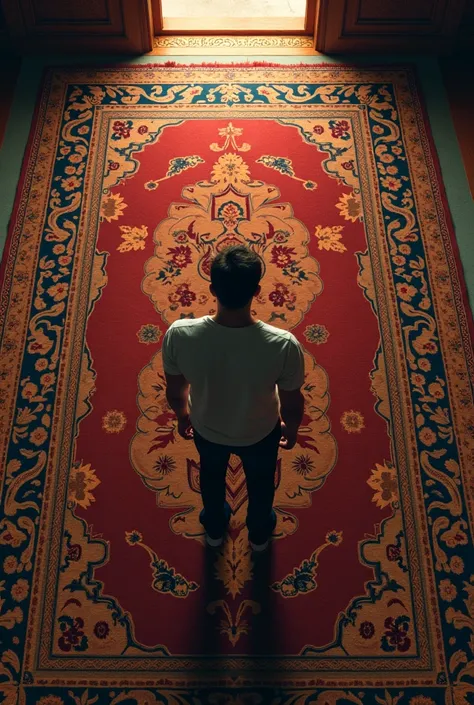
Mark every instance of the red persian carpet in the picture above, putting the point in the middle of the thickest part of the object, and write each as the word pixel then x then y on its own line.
pixel 133 179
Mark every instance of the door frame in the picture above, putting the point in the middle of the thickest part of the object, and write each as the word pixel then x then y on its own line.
pixel 193 26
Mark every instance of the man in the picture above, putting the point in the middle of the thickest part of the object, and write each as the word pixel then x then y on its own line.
pixel 234 383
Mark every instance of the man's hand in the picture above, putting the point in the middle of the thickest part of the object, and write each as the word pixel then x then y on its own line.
pixel 185 429
pixel 177 390
pixel 291 412
pixel 288 438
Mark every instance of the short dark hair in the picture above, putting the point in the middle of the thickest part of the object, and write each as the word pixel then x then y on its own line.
pixel 235 274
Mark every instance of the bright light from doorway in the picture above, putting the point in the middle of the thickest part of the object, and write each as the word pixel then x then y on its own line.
pixel 205 15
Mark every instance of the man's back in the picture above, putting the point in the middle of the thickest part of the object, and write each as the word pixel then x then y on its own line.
pixel 233 373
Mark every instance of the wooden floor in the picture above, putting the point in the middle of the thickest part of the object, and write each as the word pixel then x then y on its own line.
pixel 458 73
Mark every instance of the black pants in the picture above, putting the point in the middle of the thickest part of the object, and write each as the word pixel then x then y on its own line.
pixel 259 461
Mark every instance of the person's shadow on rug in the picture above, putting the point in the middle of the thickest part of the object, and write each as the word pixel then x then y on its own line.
pixel 263 636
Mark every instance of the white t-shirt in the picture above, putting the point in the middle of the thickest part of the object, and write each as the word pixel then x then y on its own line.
pixel 233 373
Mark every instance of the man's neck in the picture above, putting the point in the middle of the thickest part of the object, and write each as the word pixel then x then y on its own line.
pixel 239 318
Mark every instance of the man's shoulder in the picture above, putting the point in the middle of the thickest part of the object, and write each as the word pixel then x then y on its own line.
pixel 187 325
pixel 279 334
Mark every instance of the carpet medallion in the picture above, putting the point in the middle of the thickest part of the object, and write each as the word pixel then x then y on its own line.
pixel 133 179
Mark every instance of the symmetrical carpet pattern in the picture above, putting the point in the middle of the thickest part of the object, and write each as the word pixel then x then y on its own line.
pixel 133 178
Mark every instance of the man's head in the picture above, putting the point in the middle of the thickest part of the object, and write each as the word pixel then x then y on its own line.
pixel 235 275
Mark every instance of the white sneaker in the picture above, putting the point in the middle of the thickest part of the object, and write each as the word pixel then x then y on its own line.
pixel 214 543
pixel 259 547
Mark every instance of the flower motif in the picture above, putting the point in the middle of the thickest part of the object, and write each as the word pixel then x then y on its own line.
pixel 457 565
pixel 133 537
pixel 76 158
pixel 101 630
pixel 427 436
pixel 334 537
pixel 69 170
pixel 339 129
pixel 83 130
pixel 421 700
pixel 395 637
pixel 114 421
pixel 316 333
pixel 74 552
pixel 406 291
pixel 328 238
pixel 50 700
pixel 352 421
pixel 417 379
pixel 183 295
pixel 10 564
pixel 230 168
pixel 280 164
pixel 59 291
pixel 318 129
pixel 142 130
pixel 392 170
pixel 399 260
pixel 82 481
pixel 393 552
pixel 282 256
pixel 377 129
pixel 71 183
pixel 447 590
pixel 148 334
pixel 29 391
pixel 20 590
pixel 310 185
pixel 41 364
pixel 424 364
pixel 133 238
pixel 303 465
pixel 73 636
pixel 112 207
pixel 349 165
pixel 391 183
pixel 230 213
pixel 384 481
pixel 180 164
pixel 281 296
pixel 423 344
pixel 367 630
pixel 436 390
pixel 151 185
pixel 113 166
pixel 404 249
pixel 165 465
pixel 425 303
pixel 47 380
pixel 38 436
pixel 121 129
pixel 180 256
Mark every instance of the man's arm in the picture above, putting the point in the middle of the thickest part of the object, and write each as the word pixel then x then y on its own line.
pixel 177 393
pixel 291 412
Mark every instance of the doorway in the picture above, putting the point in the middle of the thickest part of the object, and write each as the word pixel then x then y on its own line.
pixel 234 16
